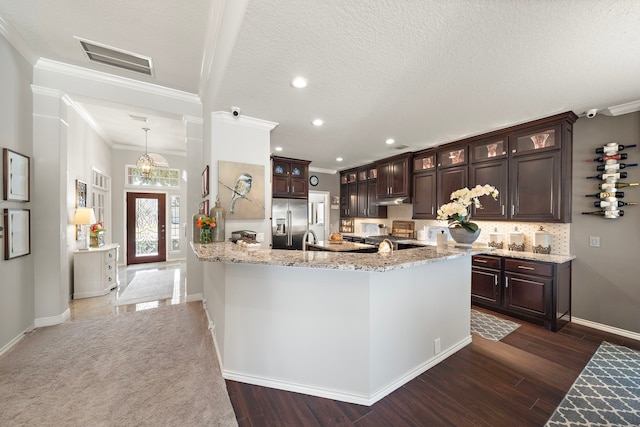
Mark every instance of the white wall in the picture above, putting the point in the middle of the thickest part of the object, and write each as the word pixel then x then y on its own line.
pixel 16 275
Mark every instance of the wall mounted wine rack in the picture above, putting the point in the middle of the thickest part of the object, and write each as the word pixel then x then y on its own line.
pixel 610 172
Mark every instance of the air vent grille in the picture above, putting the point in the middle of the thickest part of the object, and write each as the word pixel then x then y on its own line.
pixel 117 58
pixel 400 147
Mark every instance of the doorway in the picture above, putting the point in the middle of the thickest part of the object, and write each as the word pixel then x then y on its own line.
pixel 319 214
pixel 146 229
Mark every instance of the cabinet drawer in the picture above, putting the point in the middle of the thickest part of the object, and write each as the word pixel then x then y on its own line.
pixel 528 267
pixel 486 261
pixel 109 256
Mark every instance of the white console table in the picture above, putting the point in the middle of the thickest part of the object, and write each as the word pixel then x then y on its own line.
pixel 95 271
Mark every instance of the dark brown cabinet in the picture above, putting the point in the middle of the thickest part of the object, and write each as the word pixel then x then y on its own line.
pixel 349 194
pixel 424 195
pixel 493 173
pixel 394 176
pixel 367 194
pixel 536 192
pixel 450 180
pixel 535 291
pixel 290 177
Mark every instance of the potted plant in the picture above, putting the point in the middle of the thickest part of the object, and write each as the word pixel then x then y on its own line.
pixel 458 212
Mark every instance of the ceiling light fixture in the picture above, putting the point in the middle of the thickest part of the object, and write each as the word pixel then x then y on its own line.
pixel 339 159
pixel 317 122
pixel 299 82
pixel 278 148
pixel 149 161
pixel 390 141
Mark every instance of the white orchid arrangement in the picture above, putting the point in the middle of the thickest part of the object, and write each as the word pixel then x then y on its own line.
pixel 458 212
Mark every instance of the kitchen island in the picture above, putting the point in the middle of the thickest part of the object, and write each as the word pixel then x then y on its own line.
pixel 347 326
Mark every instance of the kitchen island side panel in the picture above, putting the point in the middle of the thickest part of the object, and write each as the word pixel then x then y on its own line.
pixel 350 335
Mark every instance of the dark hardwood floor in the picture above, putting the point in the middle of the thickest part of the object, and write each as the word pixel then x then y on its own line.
pixel 518 381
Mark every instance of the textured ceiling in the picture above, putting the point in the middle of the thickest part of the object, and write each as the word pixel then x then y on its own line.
pixel 424 72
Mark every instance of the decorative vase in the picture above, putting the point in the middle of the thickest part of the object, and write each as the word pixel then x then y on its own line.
pixel 96 239
pixel 217 213
pixel 205 235
pixel 464 237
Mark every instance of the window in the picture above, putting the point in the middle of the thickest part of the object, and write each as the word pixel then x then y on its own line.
pixel 174 231
pixel 159 177
pixel 100 190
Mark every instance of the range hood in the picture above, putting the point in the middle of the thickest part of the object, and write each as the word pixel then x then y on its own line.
pixel 393 201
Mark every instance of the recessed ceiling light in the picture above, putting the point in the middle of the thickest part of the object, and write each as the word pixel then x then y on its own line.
pixel 339 159
pixel 278 148
pixel 390 141
pixel 299 82
pixel 317 122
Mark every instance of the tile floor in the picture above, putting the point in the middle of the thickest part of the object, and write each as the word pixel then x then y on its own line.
pixel 86 308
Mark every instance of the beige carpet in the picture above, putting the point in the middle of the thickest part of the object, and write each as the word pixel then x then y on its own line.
pixel 148 286
pixel 151 368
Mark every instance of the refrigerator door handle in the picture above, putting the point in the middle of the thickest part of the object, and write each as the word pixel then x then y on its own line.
pixel 289 236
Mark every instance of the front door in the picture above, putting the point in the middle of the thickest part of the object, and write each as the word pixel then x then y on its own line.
pixel 146 234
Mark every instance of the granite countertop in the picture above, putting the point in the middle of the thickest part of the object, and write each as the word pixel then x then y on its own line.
pixel 231 253
pixel 343 246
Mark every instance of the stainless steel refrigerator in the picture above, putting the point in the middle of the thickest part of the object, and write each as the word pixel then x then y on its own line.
pixel 289 221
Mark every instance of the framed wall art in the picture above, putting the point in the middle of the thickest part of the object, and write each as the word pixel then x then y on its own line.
pixel 205 206
pixel 17 225
pixel 15 183
pixel 205 182
pixel 241 189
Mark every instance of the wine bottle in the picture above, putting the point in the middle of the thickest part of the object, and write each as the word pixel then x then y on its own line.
pixel 615 166
pixel 622 156
pixel 612 148
pixel 608 186
pixel 604 176
pixel 613 203
pixel 605 194
pixel 606 214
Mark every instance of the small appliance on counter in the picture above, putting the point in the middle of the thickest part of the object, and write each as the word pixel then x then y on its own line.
pixel 243 234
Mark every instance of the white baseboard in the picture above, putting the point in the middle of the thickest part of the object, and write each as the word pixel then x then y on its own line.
pixel 341 396
pixel 194 297
pixel 212 327
pixel 606 328
pixel 53 320
pixel 16 340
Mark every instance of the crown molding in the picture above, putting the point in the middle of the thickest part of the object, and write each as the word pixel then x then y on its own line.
pixel 88 118
pixel 618 110
pixel 17 42
pixel 227 117
pixel 111 79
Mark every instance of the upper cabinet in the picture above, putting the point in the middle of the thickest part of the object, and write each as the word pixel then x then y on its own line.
pixel 290 177
pixel 349 194
pixel 454 155
pixel 394 176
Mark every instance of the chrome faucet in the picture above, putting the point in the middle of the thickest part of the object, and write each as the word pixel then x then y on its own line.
pixel 306 236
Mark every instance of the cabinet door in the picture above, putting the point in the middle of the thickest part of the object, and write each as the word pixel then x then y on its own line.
pixel 485 286
pixel 450 180
pixel 535 187
pixel 493 173
pixel 384 171
pixel 280 186
pixel 374 211
pixel 344 201
pixel 299 170
pixel 528 294
pixel 299 188
pixel 353 199
pixel 489 149
pixel 399 178
pixel 362 199
pixel 424 195
pixel 541 139
pixel 452 157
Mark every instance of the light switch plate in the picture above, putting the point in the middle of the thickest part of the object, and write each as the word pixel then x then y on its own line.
pixel 594 241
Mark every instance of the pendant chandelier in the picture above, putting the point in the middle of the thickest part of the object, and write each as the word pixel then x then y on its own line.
pixel 149 161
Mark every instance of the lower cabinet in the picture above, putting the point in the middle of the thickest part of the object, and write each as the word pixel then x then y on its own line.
pixel 95 271
pixel 535 291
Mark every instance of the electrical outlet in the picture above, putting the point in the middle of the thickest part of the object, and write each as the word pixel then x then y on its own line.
pixel 594 241
pixel 436 346
pixel 259 237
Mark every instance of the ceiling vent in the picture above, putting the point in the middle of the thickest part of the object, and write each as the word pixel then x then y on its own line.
pixel 116 58
pixel 400 147
pixel 138 118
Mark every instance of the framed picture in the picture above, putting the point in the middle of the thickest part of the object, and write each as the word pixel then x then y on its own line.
pixel 241 188
pixel 16 176
pixel 205 182
pixel 17 225
pixel 335 202
pixel 205 205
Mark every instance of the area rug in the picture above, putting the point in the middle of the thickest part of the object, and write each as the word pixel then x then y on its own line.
pixel 149 368
pixel 491 327
pixel 148 286
pixel 607 392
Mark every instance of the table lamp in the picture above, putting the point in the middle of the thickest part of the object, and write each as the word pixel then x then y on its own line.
pixel 84 217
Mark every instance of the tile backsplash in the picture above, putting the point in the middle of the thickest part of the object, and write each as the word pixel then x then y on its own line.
pixel 560 233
